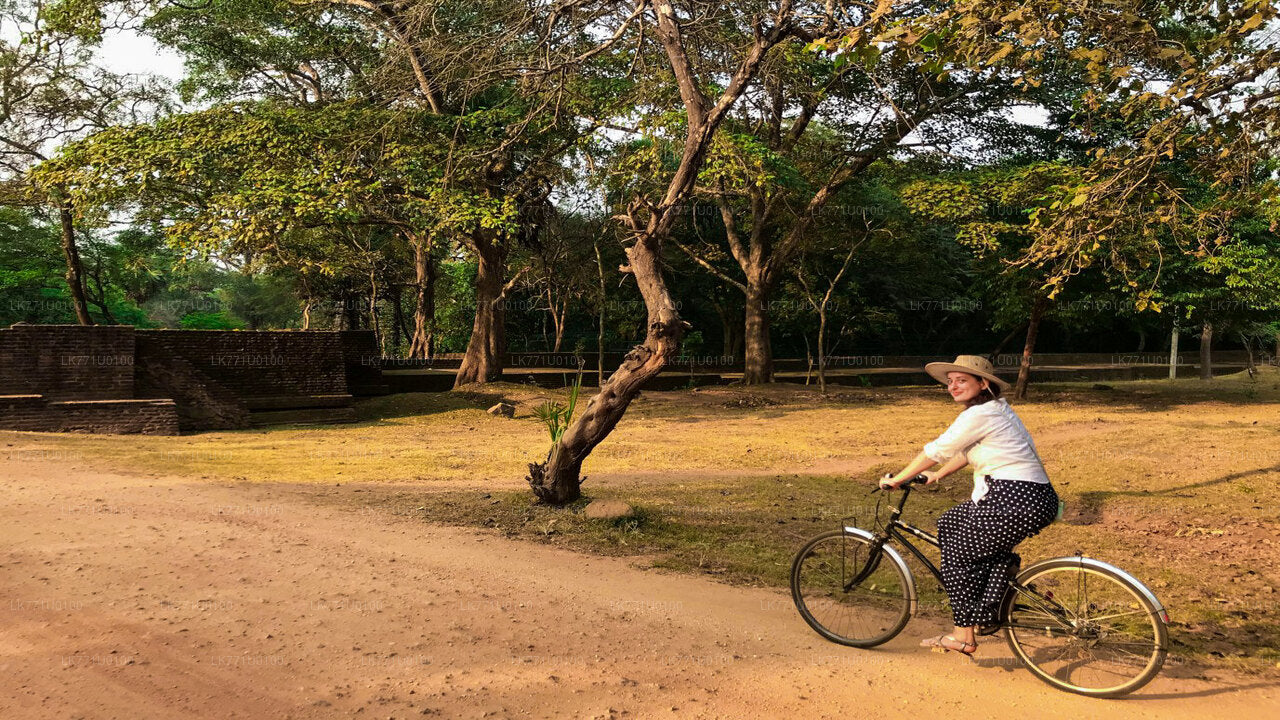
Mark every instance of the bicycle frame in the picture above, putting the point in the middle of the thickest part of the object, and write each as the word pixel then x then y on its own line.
pixel 896 529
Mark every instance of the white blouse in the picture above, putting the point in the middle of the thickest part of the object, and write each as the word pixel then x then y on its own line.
pixel 996 443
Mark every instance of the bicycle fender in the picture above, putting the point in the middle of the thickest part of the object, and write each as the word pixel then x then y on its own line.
pixel 1094 563
pixel 895 557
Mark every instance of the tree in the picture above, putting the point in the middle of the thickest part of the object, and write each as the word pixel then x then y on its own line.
pixel 647 219
pixel 477 67
pixel 51 92
pixel 563 269
pixel 1152 149
pixel 813 125
pixel 989 209
pixel 284 187
pixel 32 286
pixel 469 59
pixel 821 303
pixel 961 38
pixel 1235 289
pixel 1184 99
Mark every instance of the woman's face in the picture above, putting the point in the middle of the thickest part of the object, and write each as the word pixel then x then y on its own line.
pixel 963 386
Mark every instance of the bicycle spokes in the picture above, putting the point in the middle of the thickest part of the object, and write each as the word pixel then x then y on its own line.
pixel 1085 629
pixel 849 590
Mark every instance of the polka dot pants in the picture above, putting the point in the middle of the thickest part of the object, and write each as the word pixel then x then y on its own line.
pixel 977 542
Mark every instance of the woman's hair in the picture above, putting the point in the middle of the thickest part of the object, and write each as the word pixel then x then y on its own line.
pixel 987 394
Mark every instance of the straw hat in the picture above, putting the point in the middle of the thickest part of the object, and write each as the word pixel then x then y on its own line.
pixel 972 364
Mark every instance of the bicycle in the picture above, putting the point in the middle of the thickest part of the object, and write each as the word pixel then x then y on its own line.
pixel 1077 623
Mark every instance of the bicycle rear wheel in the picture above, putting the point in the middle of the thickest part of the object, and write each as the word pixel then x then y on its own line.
pixel 1086 627
pixel 849 594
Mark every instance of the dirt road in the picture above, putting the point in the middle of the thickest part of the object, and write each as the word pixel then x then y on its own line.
pixel 167 597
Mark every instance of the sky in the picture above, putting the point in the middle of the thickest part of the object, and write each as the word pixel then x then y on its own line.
pixel 127 51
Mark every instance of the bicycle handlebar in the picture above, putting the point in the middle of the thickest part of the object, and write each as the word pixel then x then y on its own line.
pixel 917 480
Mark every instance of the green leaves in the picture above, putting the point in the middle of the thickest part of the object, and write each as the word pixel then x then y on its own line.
pixel 944 199
pixel 81 19
pixel 740 161
pixel 247 175
pixel 556 416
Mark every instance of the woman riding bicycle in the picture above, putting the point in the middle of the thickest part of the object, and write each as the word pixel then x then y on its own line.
pixel 1012 497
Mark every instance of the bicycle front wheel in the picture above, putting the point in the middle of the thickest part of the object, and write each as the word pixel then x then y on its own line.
pixel 850 592
pixel 1086 627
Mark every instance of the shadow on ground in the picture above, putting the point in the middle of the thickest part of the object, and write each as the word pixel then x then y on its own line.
pixel 1089 504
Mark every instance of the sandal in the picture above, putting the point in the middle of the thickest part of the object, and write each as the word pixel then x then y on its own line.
pixel 946 643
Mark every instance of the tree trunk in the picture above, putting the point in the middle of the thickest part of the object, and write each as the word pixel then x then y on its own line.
pixel 424 315
pixel 546 337
pixel 808 357
pixel 1206 351
pixel 558 317
pixel 558 480
pixel 397 319
pixel 484 357
pixel 1007 338
pixel 1248 348
pixel 822 350
pixel 559 332
pixel 758 358
pixel 373 313
pixel 733 342
pixel 306 314
pixel 600 330
pixel 1033 328
pixel 340 315
pixel 75 275
pixel 1173 352
pixel 406 332
pixel 351 312
pixel 731 329
pixel 100 300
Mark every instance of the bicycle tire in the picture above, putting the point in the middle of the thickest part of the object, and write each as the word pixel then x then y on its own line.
pixel 1083 643
pixel 864 616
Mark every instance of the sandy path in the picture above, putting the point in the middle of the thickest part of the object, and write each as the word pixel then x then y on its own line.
pixel 163 597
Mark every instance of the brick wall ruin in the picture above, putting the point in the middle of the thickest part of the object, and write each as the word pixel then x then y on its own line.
pixel 70 378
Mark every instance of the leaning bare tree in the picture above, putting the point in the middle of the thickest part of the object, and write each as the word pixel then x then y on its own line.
pixel 648 219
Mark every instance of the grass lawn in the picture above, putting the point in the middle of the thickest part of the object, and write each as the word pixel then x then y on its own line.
pixel 1175 482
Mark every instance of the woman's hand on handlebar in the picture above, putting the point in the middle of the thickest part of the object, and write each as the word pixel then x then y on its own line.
pixel 931 476
pixel 887 482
